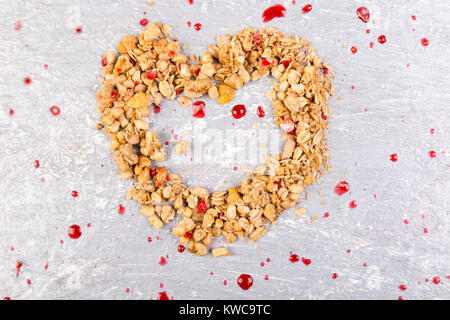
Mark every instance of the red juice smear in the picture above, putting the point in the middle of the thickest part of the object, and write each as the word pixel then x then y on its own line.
pixel 121 209
pixel 275 11
pixel 394 157
pixel 54 110
pixel 245 281
pixel 307 262
pixel 341 188
pixel 294 258
pixel 162 296
pixel 382 39
pixel 238 111
pixel 198 109
pixel 424 42
pixel 306 8
pixel 74 231
pixel 18 266
pixel 198 26
pixel 363 14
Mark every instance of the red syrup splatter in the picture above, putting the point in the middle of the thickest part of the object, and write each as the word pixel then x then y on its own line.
pixel 275 11
pixel 74 231
pixel 382 39
pixel 17 26
pixel 294 258
pixel 238 111
pixel 198 109
pixel 354 49
pixel 363 14
pixel 162 261
pixel 306 262
pixel 352 204
pixel 54 110
pixel 143 22
pixel 245 281
pixel 11 112
pixel 27 80
pixel 306 8
pixel 436 280
pixel 424 42
pixel 260 112
pixel 74 193
pixel 394 157
pixel 79 30
pixel 432 154
pixel 341 188
pixel 198 26
pixel 334 276
pixel 18 266
pixel 181 248
pixel 162 296
pixel 121 209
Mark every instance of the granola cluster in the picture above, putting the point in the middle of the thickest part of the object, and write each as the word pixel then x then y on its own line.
pixel 150 68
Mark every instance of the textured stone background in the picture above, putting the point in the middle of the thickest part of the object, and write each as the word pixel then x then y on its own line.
pixel 400 93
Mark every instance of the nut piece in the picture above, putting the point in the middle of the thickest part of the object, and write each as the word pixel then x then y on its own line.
pixel 220 252
pixel 182 147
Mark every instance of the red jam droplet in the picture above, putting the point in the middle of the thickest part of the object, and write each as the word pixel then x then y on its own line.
pixel 157 109
pixel 354 49
pixel 238 111
pixel 432 154
pixel 334 276
pixel 27 80
pixel 436 280
pixel 198 26
pixel 121 209
pixel 341 188
pixel 162 261
pixel 143 22
pixel 74 231
pixel 424 42
pixel 181 248
pixel 352 204
pixel 245 281
pixel 17 26
pixel 394 157
pixel 260 112
pixel 36 164
pixel 275 11
pixel 294 258
pixel 382 39
pixel 198 109
pixel 402 287
pixel 74 193
pixel 54 110
pixel 79 30
pixel 162 296
pixel 307 262
pixel 363 14
pixel 306 8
